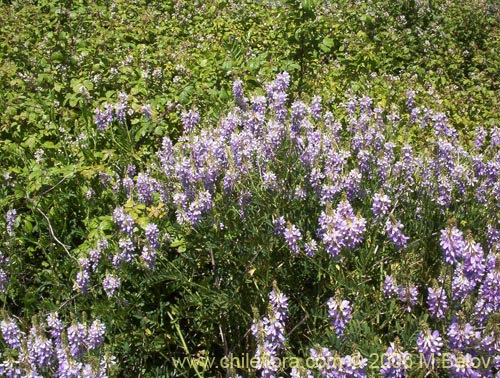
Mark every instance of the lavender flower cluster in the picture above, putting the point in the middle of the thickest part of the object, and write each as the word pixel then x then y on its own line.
pixel 89 264
pixel 339 311
pixel 333 170
pixel 407 294
pixel 105 116
pixel 50 349
pixel 269 332
pixel 11 220
pixel 395 362
pixel 357 160
pixel 4 272
pixel 471 295
pixel 128 247
pixel 341 228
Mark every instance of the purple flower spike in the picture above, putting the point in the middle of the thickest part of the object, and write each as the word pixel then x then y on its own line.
pixel 452 244
pixel 292 237
pixel 11 333
pixel 339 311
pixel 429 343
pixel 395 233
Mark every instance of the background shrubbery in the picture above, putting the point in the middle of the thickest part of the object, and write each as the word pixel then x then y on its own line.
pixel 130 159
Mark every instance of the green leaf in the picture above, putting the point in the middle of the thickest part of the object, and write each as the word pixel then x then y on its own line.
pixel 28 226
pixel 328 42
pixel 177 243
pixel 57 57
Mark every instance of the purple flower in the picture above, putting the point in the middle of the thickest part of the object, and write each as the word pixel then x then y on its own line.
pixel 299 111
pixel 270 333
pixel 452 244
pixel 146 188
pixel 124 221
pixel 462 336
pixel 152 235
pixel 279 226
pixel 104 178
pixel 490 343
pixel 493 236
pixel 40 349
pixel 395 362
pixel 381 205
pixel 311 152
pixel 410 99
pixel 56 327
pixel 9 369
pixel 437 302
pixel 149 257
pixel 474 264
pixel 316 108
pixel 463 366
pixel 353 185
pixel 95 335
pixel 67 366
pixel 127 249
pixel 390 289
pixel 110 284
pixel 147 112
pixel 166 156
pixel 4 279
pixel 77 335
pixel 342 229
pixel 189 120
pixel 326 362
pixel 282 81
pixel 408 295
pixel 489 291
pixel 385 163
pixel 128 184
pixel 353 366
pixel 276 94
pixel 395 233
pixel 238 94
pixel 480 137
pixel 300 373
pixel 441 126
pixel 82 281
pixel 11 333
pixel 414 113
pixel 429 344
pixel 121 108
pixel 269 180
pixel 339 312
pixel 202 204
pixel 365 105
pixel 259 104
pixel 102 244
pixel 103 119
pixel 94 257
pixel 495 136
pixel 292 237
pixel 461 285
pixel 311 248
pixel 11 220
pixel 279 304
pixel 365 167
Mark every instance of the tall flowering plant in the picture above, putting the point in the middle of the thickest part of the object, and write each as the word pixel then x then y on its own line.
pixel 319 200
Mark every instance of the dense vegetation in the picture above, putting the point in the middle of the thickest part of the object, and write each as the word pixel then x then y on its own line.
pixel 186 184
